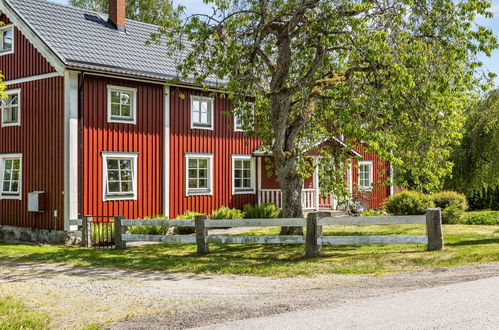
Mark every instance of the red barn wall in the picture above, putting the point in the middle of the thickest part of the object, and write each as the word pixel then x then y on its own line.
pixel 40 139
pixel 222 142
pixel 26 61
pixel 145 137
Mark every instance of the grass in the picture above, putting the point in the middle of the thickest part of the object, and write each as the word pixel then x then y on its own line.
pixel 14 315
pixel 464 245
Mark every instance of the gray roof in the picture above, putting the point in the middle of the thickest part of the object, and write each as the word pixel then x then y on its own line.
pixel 84 39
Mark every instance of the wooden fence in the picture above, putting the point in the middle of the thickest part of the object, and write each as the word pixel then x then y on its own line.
pixel 313 239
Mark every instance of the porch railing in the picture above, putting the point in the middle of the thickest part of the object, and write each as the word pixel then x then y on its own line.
pixel 308 198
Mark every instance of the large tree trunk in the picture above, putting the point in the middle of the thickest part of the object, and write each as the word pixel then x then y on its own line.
pixel 291 184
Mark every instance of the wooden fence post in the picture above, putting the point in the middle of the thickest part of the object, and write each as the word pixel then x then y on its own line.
pixel 201 234
pixel 434 229
pixel 119 230
pixel 86 231
pixel 314 231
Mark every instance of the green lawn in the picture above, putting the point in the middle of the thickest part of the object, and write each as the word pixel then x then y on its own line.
pixel 464 245
pixel 14 315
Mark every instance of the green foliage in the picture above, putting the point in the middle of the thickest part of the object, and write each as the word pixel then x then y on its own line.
pixel 225 212
pixel 408 203
pixel 453 205
pixel 481 218
pixel 262 211
pixel 147 11
pixel 494 200
pixel 150 230
pixel 103 233
pixel 188 215
pixel 14 315
pixel 374 213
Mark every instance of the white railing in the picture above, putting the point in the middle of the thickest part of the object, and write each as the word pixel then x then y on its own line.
pixel 308 198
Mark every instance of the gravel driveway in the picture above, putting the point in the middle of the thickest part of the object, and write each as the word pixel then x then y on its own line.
pixel 76 296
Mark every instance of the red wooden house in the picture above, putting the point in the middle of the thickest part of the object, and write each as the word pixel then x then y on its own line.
pixel 93 125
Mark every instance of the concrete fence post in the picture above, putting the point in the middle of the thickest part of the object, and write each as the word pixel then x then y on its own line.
pixel 314 231
pixel 201 234
pixel 119 230
pixel 86 231
pixel 434 229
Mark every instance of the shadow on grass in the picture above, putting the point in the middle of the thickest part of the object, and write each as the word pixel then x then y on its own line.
pixel 474 242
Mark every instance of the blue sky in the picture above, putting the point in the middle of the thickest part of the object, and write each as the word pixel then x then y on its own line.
pixel 492 64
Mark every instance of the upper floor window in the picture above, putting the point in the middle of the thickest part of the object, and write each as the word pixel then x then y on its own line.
pixel 11 108
pixel 120 175
pixel 122 104
pixel 242 122
pixel 201 112
pixel 243 174
pixel 10 176
pixel 7 39
pixel 365 175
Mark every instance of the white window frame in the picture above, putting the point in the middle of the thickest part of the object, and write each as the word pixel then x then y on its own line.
pixel 211 113
pixel 243 191
pixel 235 117
pixel 19 108
pixel 133 105
pixel 370 164
pixel 2 30
pixel 106 196
pixel 196 191
pixel 3 158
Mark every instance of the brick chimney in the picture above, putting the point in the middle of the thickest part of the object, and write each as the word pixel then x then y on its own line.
pixel 117 14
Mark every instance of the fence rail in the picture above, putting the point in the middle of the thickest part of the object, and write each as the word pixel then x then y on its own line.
pixel 313 240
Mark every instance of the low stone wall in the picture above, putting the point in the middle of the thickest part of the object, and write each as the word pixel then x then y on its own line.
pixel 10 233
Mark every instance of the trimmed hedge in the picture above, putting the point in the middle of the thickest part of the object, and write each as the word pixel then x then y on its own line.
pixel 408 203
pixel 453 205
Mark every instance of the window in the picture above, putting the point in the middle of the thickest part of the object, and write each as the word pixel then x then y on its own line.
pixel 201 112
pixel 199 174
pixel 11 108
pixel 365 175
pixel 11 176
pixel 239 123
pixel 243 174
pixel 120 175
pixel 122 102
pixel 7 42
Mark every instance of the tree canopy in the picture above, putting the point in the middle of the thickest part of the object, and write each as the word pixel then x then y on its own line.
pixel 147 11
pixel 393 75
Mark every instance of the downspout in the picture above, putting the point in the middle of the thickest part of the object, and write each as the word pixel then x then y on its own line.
pixel 81 79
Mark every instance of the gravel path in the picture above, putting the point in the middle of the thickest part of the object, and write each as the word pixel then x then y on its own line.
pixel 76 296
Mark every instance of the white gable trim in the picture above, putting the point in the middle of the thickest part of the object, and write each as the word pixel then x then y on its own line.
pixel 34 38
pixel 33 78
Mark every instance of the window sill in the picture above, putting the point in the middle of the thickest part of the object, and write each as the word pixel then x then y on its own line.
pixel 11 197
pixel 127 197
pixel 122 121
pixel 244 192
pixel 366 189
pixel 195 126
pixel 10 124
pixel 199 193
pixel 7 52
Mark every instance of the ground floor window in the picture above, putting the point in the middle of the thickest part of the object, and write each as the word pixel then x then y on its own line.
pixel 199 174
pixel 10 176
pixel 365 175
pixel 243 174
pixel 120 175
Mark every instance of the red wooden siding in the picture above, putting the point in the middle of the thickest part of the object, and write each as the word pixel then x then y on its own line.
pixel 145 138
pixel 40 139
pixel 222 142
pixel 26 61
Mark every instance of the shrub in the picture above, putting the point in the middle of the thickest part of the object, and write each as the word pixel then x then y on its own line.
pixel 150 230
pixel 180 230
pixel 453 205
pixel 408 203
pixel 482 218
pixel 374 213
pixel 103 233
pixel 494 200
pixel 225 212
pixel 262 211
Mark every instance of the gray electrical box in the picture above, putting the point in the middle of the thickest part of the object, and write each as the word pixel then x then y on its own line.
pixel 36 201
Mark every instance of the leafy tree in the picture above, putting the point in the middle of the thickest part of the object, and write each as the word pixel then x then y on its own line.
pixel 393 74
pixel 476 160
pixel 148 11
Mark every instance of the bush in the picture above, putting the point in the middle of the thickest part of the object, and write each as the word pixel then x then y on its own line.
pixel 225 212
pixel 374 213
pixel 262 211
pixel 494 200
pixel 482 218
pixel 453 205
pixel 408 203
pixel 103 233
pixel 150 230
pixel 180 230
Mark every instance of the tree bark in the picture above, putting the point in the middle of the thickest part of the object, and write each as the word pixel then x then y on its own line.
pixel 291 183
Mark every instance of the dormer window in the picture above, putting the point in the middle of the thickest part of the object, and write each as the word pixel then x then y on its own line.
pixel 7 39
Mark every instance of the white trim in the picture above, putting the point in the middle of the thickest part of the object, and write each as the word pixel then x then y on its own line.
pixel 133 105
pixel 259 170
pixel 119 154
pixel 4 28
pixel 251 190
pixel 70 147
pixel 211 115
pixel 371 169
pixel 19 108
pixel 203 192
pixel 166 151
pixel 350 177
pixel 235 124
pixel 20 184
pixel 33 78
pixel 316 183
pixel 391 179
pixel 36 40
